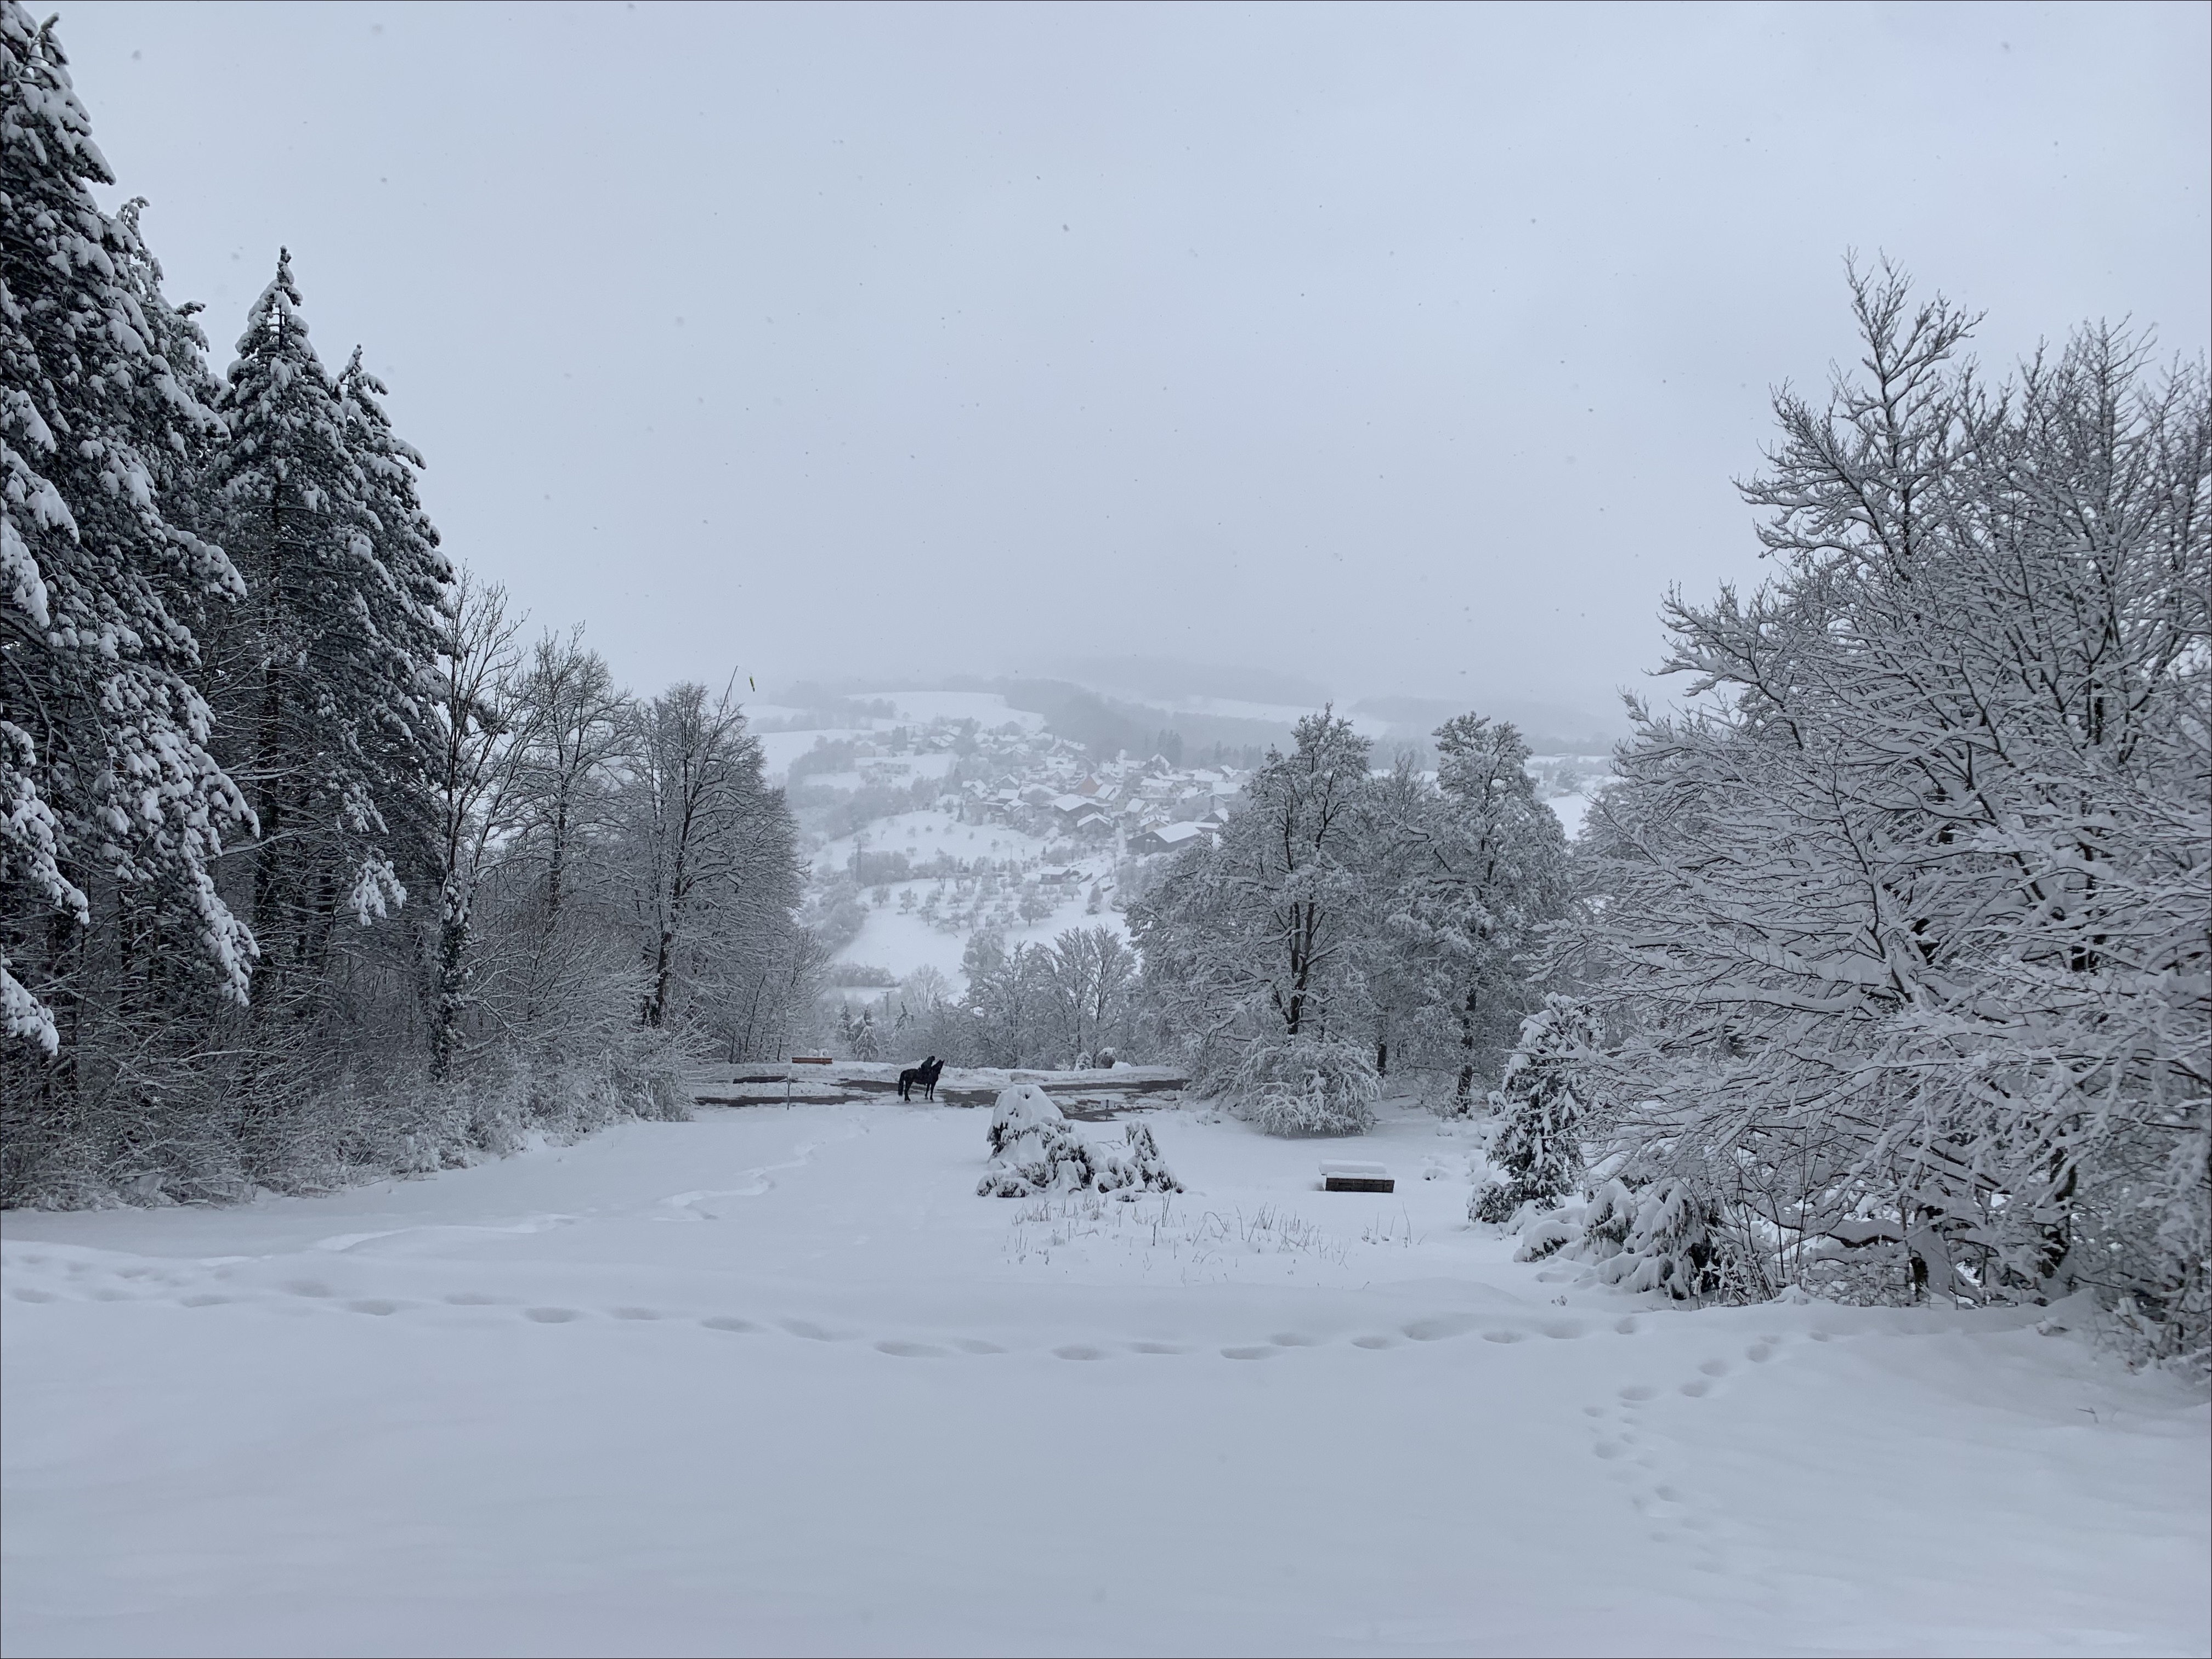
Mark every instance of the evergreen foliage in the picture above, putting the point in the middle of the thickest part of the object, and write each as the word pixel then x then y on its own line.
pixel 233 776
pixel 1539 1146
pixel 112 809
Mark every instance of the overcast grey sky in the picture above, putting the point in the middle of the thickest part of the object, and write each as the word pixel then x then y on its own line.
pixel 1412 349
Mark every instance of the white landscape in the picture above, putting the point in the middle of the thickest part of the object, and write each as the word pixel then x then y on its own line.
pixel 1287 829
pixel 778 1381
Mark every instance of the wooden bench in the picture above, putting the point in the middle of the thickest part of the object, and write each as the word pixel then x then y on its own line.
pixel 1356 1178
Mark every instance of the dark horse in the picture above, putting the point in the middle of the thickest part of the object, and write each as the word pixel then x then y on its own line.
pixel 925 1074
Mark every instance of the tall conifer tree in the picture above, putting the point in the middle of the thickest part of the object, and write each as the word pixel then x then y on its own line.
pixel 107 783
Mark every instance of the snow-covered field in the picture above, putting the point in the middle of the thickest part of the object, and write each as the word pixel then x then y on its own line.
pixel 903 940
pixel 776 1380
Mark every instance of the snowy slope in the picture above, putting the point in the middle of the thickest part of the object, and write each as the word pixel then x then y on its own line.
pixel 900 941
pixel 777 1382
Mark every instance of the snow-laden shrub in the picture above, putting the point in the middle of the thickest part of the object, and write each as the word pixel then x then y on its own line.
pixel 1539 1148
pixel 1137 1168
pixel 1034 1149
pixel 1305 1085
pixel 1548 1235
pixel 1669 1235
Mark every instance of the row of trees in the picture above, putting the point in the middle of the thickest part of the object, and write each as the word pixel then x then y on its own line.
pixel 1066 1003
pixel 305 866
pixel 1348 920
pixel 1896 952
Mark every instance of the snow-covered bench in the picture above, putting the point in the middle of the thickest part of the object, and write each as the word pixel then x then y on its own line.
pixel 1356 1178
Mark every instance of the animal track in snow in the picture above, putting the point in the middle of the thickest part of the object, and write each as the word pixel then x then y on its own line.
pixel 913 1350
pixel 728 1323
pixel 1507 1335
pixel 635 1313
pixel 550 1315
pixel 1291 1339
pixel 1373 1342
pixel 378 1306
pixel 1250 1353
pixel 1565 1329
pixel 1079 1351
pixel 1440 1327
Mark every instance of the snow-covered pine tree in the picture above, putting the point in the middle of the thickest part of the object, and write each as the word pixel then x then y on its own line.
pixel 1539 1151
pixel 106 778
pixel 325 666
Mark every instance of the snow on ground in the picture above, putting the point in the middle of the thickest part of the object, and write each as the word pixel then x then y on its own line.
pixel 987 708
pixel 902 941
pixel 776 1381
pixel 779 749
pixel 1573 810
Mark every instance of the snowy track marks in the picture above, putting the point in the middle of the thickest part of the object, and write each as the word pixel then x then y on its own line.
pixel 185 1285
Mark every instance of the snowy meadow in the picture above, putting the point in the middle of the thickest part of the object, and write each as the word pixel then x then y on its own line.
pixel 778 1381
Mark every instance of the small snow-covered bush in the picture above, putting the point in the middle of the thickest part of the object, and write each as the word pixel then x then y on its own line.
pixel 1138 1169
pixel 1668 1235
pixel 1034 1149
pixel 1305 1086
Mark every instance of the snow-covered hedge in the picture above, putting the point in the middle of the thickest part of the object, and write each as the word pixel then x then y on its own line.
pixel 1305 1085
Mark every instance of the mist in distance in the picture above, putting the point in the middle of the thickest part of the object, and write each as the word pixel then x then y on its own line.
pixel 1189 354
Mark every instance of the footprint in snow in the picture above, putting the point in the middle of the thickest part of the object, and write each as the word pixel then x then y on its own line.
pixel 1505 1335
pixel 1291 1339
pixel 913 1350
pixel 1565 1329
pixel 1372 1342
pixel 306 1287
pixel 970 1344
pixel 1761 1352
pixel 373 1304
pixel 1639 1392
pixel 1079 1351
pixel 1156 1347
pixel 1250 1353
pixel 808 1329
pixel 635 1313
pixel 550 1315
pixel 26 1294
pixel 728 1323
pixel 471 1299
pixel 1437 1329
pixel 205 1300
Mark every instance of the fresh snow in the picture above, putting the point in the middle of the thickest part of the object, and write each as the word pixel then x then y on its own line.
pixel 902 941
pixel 776 1380
pixel 987 709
